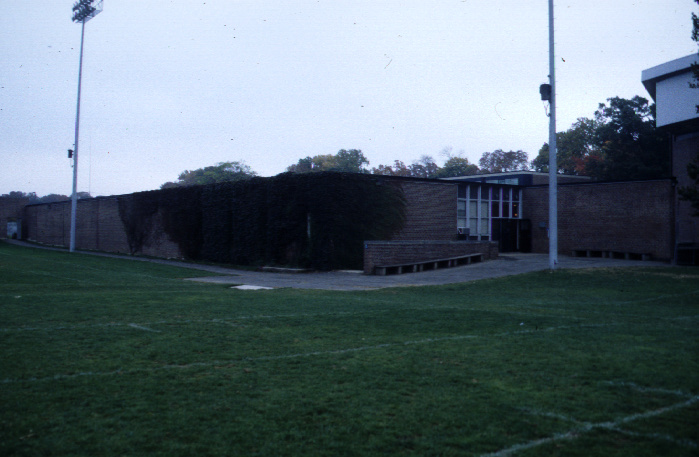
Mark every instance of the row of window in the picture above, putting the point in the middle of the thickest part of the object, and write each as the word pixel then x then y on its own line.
pixel 477 205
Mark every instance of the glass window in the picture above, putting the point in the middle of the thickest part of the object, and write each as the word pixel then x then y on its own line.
pixel 495 208
pixel 515 195
pixel 515 209
pixel 462 191
pixel 506 195
pixel 473 209
pixel 473 226
pixel 474 192
pixel 505 209
pixel 461 208
pixel 484 210
pixel 484 226
pixel 496 193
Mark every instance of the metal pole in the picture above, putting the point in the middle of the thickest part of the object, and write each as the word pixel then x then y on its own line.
pixel 553 164
pixel 74 197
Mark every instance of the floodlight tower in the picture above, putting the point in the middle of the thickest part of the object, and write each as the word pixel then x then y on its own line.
pixel 83 11
pixel 553 163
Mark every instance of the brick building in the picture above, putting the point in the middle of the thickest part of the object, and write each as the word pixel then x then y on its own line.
pixel 484 213
pixel 676 113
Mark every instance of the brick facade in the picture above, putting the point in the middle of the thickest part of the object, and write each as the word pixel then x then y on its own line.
pixel 398 252
pixel 98 227
pixel 634 217
pixel 430 211
pixel 685 150
pixel 11 209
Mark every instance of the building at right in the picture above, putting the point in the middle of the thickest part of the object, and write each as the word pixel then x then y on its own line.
pixel 669 84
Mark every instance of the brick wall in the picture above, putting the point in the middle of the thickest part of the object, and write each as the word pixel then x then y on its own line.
pixel 10 209
pixel 398 252
pixel 685 150
pixel 98 227
pixel 430 211
pixel 634 217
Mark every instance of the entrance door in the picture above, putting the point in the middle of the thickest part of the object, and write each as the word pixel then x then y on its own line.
pixel 513 235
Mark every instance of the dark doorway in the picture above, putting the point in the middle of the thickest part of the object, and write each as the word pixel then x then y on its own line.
pixel 505 233
pixel 512 235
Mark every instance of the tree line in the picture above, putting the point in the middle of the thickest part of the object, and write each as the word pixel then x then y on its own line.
pixel 31 197
pixel 619 143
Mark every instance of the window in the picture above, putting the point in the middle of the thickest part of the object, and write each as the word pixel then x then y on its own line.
pixel 478 204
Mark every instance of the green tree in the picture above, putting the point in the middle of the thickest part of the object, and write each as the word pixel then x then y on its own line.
pixel 398 169
pixel 620 143
pixel 221 172
pixel 457 166
pixel 628 143
pixel 425 167
pixel 30 196
pixel 691 193
pixel 346 160
pixel 574 149
pixel 500 161
pixel 695 66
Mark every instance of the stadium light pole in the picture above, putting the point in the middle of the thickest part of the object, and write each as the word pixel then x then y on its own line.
pixel 553 164
pixel 83 11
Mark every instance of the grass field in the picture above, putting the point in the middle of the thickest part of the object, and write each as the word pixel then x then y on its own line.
pixel 103 356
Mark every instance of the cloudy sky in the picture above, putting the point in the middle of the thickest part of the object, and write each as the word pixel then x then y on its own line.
pixel 177 85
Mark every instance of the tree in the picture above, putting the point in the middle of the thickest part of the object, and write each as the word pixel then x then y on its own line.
pixel 425 167
pixel 575 149
pixel 348 161
pixel 398 169
pixel 30 197
pixel 52 198
pixel 221 172
pixel 691 193
pixel 695 66
pixel 351 161
pixel 620 143
pixel 500 161
pixel 628 143
pixel 457 166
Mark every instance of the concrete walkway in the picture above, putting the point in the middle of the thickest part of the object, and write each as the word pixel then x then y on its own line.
pixel 505 265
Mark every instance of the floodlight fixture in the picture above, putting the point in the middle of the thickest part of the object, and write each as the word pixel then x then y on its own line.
pixel 83 11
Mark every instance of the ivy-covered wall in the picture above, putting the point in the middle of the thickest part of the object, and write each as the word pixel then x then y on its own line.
pixel 316 220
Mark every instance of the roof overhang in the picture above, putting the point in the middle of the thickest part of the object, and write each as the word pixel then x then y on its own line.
pixel 652 76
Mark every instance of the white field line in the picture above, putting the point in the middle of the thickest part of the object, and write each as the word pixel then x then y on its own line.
pixel 585 427
pixel 659 436
pixel 118 324
pixel 231 320
pixel 145 329
pixel 283 356
pixel 635 386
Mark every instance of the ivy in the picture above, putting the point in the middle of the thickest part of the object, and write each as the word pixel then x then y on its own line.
pixel 317 220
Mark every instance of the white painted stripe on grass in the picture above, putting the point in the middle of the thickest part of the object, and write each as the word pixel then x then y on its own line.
pixel 145 329
pixel 647 389
pixel 231 320
pixel 585 428
pixel 659 436
pixel 288 356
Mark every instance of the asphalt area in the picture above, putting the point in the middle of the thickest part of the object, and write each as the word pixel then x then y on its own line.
pixel 505 265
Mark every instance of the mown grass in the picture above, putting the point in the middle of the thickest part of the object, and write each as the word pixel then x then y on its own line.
pixel 105 356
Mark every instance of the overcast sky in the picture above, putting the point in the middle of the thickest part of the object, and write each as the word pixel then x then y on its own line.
pixel 177 85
